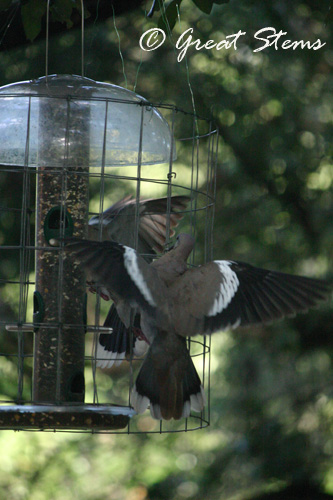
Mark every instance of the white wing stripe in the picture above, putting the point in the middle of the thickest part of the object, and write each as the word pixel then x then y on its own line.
pixel 228 287
pixel 131 264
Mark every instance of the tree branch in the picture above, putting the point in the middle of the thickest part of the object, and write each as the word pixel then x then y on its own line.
pixel 13 32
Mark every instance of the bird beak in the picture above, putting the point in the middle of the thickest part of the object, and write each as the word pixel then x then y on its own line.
pixel 169 247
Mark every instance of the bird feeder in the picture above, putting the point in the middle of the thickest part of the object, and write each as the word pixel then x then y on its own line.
pixel 66 140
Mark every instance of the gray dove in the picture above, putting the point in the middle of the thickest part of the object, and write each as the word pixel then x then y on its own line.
pixel 175 301
pixel 118 223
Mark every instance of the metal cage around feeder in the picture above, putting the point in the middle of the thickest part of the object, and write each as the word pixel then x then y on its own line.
pixel 70 147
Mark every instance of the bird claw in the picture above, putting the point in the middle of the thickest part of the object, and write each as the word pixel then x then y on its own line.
pixel 104 296
pixel 93 289
pixel 138 333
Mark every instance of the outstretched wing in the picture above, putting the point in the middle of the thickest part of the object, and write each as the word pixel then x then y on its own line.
pixel 227 294
pixel 120 269
pixel 119 223
pixel 153 219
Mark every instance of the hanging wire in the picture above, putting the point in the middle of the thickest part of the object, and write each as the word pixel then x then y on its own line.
pixel 136 242
pixel 119 46
pixel 138 71
pixel 11 16
pixel 82 38
pixel 24 260
pixel 100 230
pixel 208 191
pixel 93 35
pixel 170 176
pixel 47 40
pixel 214 172
pixel 149 14
pixel 138 185
pixel 188 79
pixel 169 32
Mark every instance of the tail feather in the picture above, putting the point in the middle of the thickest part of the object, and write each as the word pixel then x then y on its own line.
pixel 113 347
pixel 168 380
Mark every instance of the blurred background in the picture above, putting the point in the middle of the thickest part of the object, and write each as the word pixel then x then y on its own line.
pixel 271 387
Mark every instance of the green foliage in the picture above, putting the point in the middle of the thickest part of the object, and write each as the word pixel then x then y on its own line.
pixel 32 13
pixel 5 4
pixel 168 20
pixel 271 394
pixel 62 11
pixel 204 5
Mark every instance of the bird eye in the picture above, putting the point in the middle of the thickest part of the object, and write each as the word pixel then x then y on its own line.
pixel 176 242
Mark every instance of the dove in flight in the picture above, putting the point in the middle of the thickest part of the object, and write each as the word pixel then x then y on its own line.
pixel 118 223
pixel 175 302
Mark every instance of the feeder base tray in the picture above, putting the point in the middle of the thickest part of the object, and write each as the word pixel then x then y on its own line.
pixel 71 417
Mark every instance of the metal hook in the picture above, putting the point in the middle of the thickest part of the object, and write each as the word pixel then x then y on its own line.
pixel 171 175
pixel 47 39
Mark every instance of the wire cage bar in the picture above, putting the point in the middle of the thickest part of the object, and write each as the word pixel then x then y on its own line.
pixel 67 163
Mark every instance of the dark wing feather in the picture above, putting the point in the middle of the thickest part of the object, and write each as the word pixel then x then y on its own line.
pixel 113 347
pixel 264 296
pixel 159 205
pixel 119 222
pixel 105 262
pixel 210 299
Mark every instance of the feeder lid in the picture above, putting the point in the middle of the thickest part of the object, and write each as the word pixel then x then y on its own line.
pixel 45 122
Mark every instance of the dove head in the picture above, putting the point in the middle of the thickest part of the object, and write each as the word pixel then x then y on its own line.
pixel 173 263
pixel 184 245
pixel 94 227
